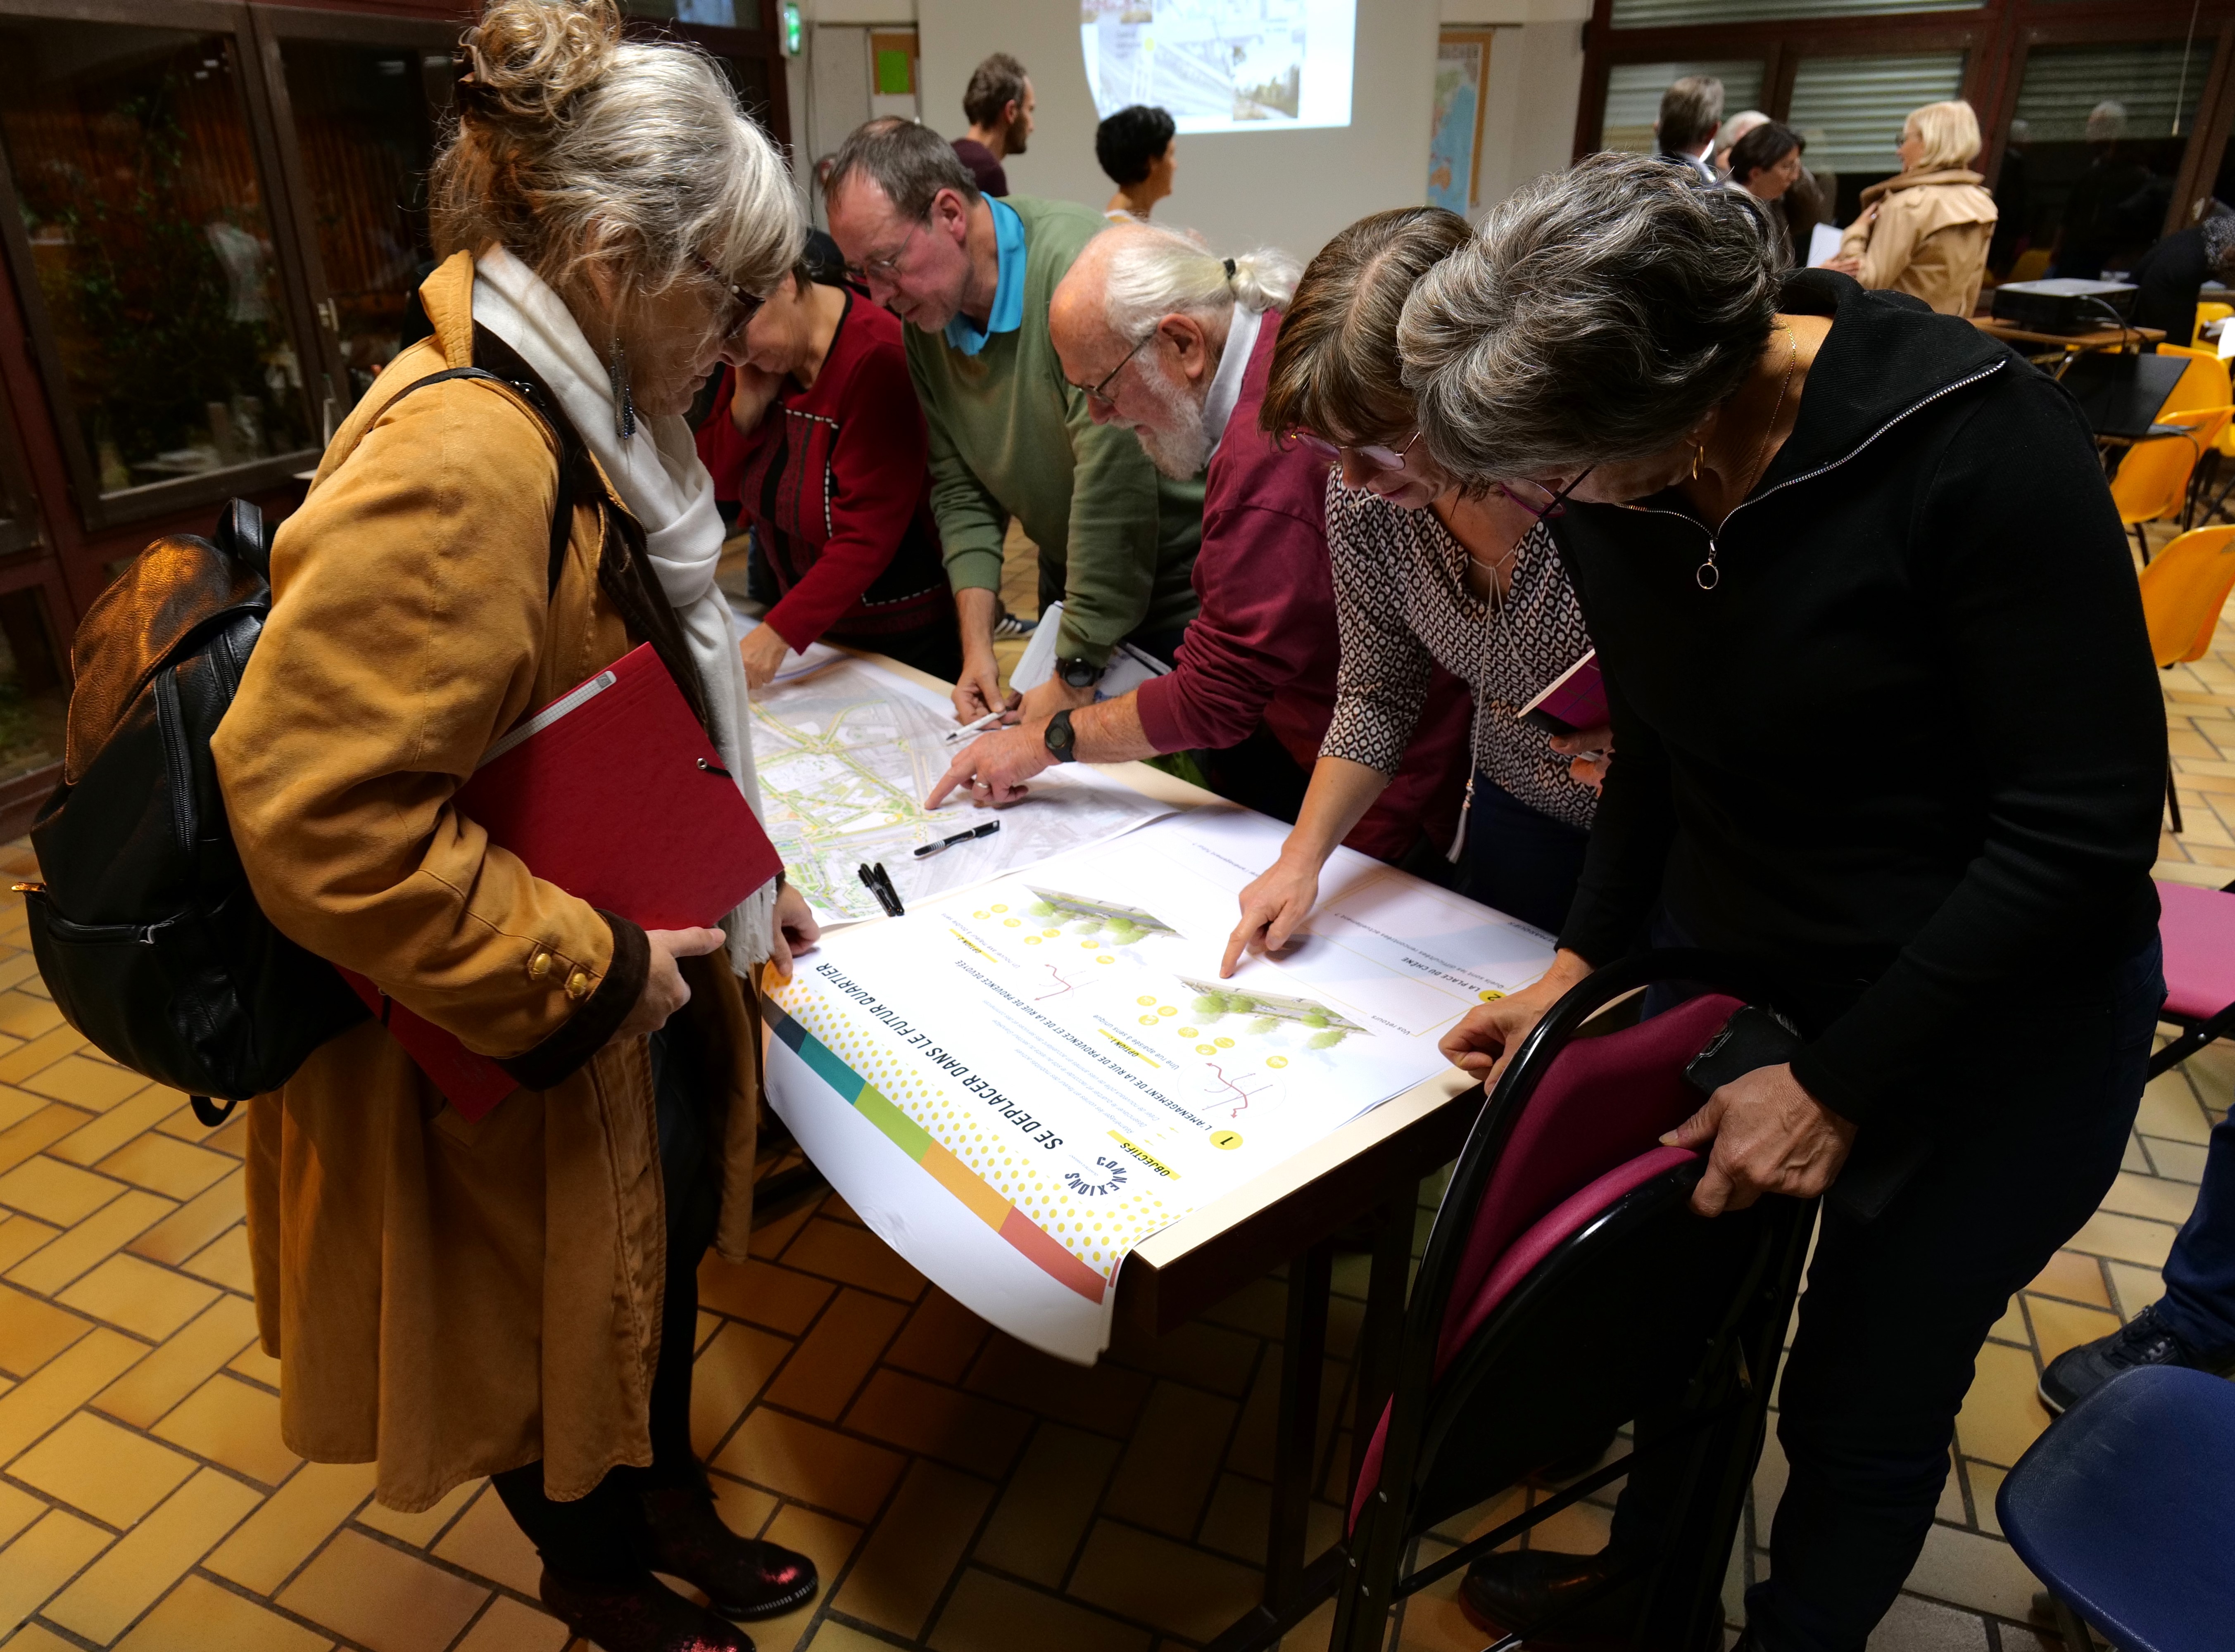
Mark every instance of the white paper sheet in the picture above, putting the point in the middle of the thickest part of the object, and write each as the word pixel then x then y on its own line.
pixel 1055 1054
pixel 847 756
pixel 1823 244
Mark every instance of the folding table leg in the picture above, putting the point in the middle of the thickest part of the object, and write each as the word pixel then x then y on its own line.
pixel 1303 1361
pixel 1376 1360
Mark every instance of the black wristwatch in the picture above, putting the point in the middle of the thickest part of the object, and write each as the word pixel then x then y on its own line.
pixel 1058 739
pixel 1079 673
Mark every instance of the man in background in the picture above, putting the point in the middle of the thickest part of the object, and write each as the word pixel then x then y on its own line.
pixel 1691 110
pixel 1010 435
pixel 1181 341
pixel 998 104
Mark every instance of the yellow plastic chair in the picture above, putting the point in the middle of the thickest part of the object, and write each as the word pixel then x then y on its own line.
pixel 2203 383
pixel 2206 315
pixel 2183 592
pixel 2152 479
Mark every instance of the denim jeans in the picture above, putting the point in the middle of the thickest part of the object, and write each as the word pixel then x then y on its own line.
pixel 2200 1275
pixel 1521 862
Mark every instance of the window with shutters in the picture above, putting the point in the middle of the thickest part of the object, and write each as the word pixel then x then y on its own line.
pixel 1849 110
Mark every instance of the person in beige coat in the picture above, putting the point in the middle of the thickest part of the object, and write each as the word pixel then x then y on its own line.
pixel 1925 230
pixel 514 1296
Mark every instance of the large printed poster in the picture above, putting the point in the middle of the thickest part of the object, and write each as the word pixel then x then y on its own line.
pixel 1017 1083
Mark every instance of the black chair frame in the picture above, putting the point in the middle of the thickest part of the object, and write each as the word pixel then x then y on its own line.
pixel 1721 1416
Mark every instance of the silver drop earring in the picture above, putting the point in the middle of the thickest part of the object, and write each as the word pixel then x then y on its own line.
pixel 624 404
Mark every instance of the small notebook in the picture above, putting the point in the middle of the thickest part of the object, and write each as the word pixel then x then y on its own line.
pixel 1574 701
pixel 613 793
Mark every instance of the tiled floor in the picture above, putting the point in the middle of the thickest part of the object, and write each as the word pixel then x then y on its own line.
pixel 959 1493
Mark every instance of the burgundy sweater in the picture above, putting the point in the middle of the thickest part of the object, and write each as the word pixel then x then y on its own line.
pixel 1264 649
pixel 834 482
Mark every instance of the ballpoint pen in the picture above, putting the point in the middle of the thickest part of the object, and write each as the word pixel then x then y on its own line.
pixel 984 830
pixel 885 882
pixel 991 720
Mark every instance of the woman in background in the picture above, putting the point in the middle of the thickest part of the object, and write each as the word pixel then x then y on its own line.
pixel 1925 232
pixel 817 438
pixel 1766 163
pixel 1138 150
pixel 1431 584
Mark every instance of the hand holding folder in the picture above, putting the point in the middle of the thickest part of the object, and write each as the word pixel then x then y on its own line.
pixel 613 793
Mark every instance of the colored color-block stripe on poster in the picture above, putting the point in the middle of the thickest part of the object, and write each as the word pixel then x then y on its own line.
pixel 978 1195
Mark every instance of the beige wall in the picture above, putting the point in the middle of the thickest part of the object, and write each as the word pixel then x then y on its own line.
pixel 1291 189
pixel 1288 189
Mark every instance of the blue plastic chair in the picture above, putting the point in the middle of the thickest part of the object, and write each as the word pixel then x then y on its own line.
pixel 2126 1509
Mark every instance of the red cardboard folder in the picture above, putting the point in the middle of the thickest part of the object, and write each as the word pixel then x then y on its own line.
pixel 613 793
pixel 1573 701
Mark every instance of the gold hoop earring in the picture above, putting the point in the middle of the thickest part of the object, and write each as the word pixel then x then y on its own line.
pixel 1699 452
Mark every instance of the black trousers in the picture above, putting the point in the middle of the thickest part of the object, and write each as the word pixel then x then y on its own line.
pixel 596 1535
pixel 1896 1309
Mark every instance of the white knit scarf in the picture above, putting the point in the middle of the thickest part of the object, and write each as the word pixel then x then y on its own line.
pixel 658 476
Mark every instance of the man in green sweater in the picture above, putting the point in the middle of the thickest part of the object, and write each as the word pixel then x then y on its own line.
pixel 1010 436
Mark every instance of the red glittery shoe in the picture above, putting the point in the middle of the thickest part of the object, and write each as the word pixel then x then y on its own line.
pixel 742 1577
pixel 643 1614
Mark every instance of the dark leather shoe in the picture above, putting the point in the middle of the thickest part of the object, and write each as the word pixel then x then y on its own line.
pixel 2144 1340
pixel 742 1578
pixel 1504 1592
pixel 639 1614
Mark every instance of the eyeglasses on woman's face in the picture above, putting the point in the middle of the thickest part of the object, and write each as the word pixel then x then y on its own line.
pixel 1380 457
pixel 1540 501
pixel 738 311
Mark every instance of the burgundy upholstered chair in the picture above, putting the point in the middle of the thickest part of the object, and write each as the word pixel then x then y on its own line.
pixel 1567 1288
pixel 2198 929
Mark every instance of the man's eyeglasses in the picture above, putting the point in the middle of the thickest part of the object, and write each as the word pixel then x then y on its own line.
pixel 1101 391
pixel 743 306
pixel 884 267
pixel 1555 506
pixel 1373 453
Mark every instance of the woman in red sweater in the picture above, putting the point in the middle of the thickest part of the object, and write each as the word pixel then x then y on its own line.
pixel 818 440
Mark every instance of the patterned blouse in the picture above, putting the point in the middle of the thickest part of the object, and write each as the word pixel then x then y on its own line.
pixel 1404 605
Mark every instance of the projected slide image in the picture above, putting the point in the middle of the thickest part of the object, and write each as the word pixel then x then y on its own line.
pixel 1223 65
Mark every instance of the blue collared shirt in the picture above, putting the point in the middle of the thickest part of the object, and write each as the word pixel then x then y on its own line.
pixel 963 333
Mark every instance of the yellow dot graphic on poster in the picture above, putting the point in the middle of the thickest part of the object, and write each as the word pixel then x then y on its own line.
pixel 1206 1050
pixel 1189 1032
pixel 1489 993
pixel 1228 1139
pixel 1031 940
pixel 1145 1002
pixel 1223 1043
pixel 1105 958
pixel 1277 1061
pixel 1148 1020
pixel 1166 1009
pixel 998 907
pixel 1010 923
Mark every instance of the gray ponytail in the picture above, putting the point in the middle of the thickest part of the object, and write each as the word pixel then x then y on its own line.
pixel 1153 272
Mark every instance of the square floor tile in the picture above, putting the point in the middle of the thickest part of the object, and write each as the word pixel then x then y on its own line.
pixel 382 1597
pixel 487 1541
pixel 42 1561
pixel 108 1473
pixel 139 1296
pixel 116 1589
pixel 228 1421
pixel 54 1191
pixel 32 1331
pixel 165 1165
pixel 201 1616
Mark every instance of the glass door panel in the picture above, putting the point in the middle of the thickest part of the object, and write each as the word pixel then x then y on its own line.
pixel 1850 111
pixel 2095 145
pixel 150 250
pixel 366 138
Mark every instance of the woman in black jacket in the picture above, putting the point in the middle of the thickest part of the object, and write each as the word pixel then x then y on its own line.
pixel 1886 725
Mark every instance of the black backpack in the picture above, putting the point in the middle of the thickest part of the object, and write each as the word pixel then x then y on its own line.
pixel 146 930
